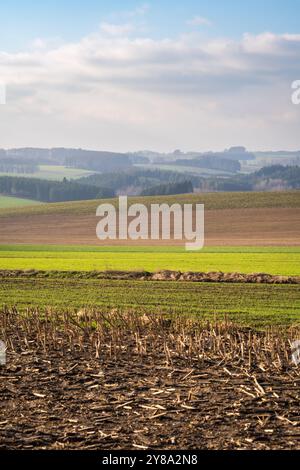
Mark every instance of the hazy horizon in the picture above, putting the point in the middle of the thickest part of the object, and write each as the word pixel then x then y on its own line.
pixel 154 150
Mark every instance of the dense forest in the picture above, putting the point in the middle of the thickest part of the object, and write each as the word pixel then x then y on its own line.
pixel 276 177
pixel 98 161
pixel 184 187
pixel 50 191
pixel 18 166
pixel 211 162
pixel 136 180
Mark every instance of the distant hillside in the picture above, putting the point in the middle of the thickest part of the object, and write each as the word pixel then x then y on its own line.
pixel 270 178
pixel 135 181
pixel 211 162
pixel 139 180
pixel 98 161
pixel 234 153
pixel 74 158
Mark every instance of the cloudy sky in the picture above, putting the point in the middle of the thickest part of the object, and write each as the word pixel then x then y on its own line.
pixel 127 75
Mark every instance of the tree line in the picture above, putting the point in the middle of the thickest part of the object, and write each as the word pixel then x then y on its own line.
pixel 137 180
pixel 212 163
pixel 51 191
pixel 185 187
pixel 274 177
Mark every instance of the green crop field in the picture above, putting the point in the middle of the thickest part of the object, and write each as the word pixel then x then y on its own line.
pixel 7 202
pixel 281 260
pixel 256 305
pixel 249 304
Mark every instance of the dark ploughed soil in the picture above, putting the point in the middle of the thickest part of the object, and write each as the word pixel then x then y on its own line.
pixel 147 396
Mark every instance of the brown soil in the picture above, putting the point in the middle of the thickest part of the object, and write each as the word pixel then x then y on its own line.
pixel 255 278
pixel 273 226
pixel 153 386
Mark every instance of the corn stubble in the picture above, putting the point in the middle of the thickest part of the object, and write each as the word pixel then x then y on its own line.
pixel 136 373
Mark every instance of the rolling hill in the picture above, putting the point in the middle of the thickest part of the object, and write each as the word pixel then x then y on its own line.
pixel 231 219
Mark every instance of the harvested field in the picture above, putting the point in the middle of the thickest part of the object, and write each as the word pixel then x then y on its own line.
pixel 117 381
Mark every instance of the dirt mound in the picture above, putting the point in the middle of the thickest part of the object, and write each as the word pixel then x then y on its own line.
pixel 259 278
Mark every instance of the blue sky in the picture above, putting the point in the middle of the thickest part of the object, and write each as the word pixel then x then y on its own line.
pixel 157 74
pixel 24 20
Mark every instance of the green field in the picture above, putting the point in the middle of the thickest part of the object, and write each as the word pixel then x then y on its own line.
pixel 256 305
pixel 7 202
pixel 211 201
pixel 271 260
pixel 54 173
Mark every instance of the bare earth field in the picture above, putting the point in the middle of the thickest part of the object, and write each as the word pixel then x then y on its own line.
pixel 228 227
pixel 145 383
pixel 232 219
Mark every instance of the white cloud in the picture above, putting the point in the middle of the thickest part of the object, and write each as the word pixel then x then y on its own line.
pixel 269 43
pixel 46 43
pixel 116 29
pixel 199 21
pixel 117 91
pixel 39 43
